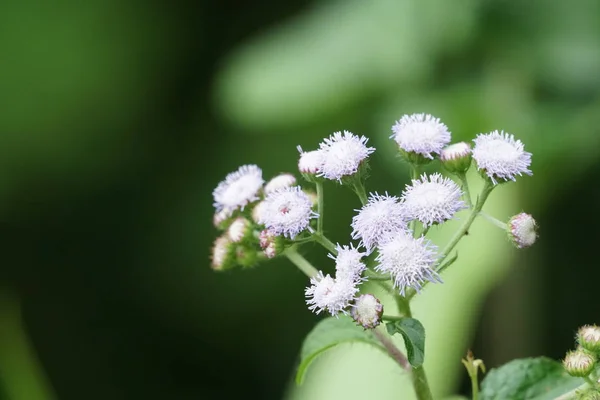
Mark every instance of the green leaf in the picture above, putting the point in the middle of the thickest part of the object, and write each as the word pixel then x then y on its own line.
pixel 528 379
pixel 329 333
pixel 414 338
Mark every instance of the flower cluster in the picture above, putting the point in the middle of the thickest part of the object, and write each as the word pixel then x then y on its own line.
pixel 267 220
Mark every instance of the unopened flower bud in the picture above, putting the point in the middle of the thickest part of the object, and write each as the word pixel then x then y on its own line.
pixel 456 158
pixel 588 337
pixel 313 197
pixel 270 251
pixel 579 363
pixel 239 230
pixel 257 211
pixel 522 230
pixel 310 162
pixel 367 311
pixel 223 254
pixel 279 182
pixel 270 243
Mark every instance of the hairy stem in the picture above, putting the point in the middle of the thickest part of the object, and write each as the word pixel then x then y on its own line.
pixel 359 189
pixel 485 192
pixel 320 206
pixel 495 221
pixel 323 241
pixel 299 261
pixel 465 187
pixel 392 350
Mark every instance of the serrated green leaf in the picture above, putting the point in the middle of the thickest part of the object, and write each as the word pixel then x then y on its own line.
pixel 329 333
pixel 414 338
pixel 528 379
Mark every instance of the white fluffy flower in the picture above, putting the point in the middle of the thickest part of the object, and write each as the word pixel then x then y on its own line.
pixel 287 212
pixel 501 156
pixel 409 261
pixel 329 294
pixel 421 133
pixel 381 215
pixel 343 154
pixel 455 151
pixel 432 199
pixel 348 264
pixel 238 189
pixel 367 311
pixel 310 162
pixel 522 230
pixel 279 182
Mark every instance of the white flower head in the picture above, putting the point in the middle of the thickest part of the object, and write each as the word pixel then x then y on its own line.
pixel 409 261
pixel 432 199
pixel 238 189
pixel 329 294
pixel 342 155
pixel 367 311
pixel 287 212
pixel 501 156
pixel 522 230
pixel 421 133
pixel 381 215
pixel 348 264
pixel 310 162
pixel 279 182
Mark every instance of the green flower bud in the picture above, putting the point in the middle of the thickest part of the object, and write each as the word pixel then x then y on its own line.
pixel 588 337
pixel 579 363
pixel 456 158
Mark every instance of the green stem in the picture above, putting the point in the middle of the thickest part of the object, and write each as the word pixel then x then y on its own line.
pixel 22 375
pixel 359 189
pixel 302 263
pixel 414 176
pixel 465 187
pixel 485 192
pixel 320 206
pixel 589 381
pixel 390 318
pixel 495 221
pixel 392 349
pixel 419 378
pixel 323 241
pixel 475 386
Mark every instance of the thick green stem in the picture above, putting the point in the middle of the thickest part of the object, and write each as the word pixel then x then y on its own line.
pixel 465 187
pixel 420 384
pixel 302 263
pixel 323 241
pixel 320 206
pixel 414 176
pixel 485 192
pixel 22 375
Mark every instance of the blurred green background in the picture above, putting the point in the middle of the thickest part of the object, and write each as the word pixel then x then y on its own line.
pixel 118 118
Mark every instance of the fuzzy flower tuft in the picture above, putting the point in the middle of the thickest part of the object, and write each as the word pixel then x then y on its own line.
pixel 222 254
pixel 367 311
pixel 522 230
pixel 279 182
pixel 239 229
pixel 310 162
pixel 501 156
pixel 238 189
pixel 287 212
pixel 343 153
pixel 329 294
pixel 409 261
pixel 432 199
pixel 421 133
pixel 381 215
pixel 348 264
